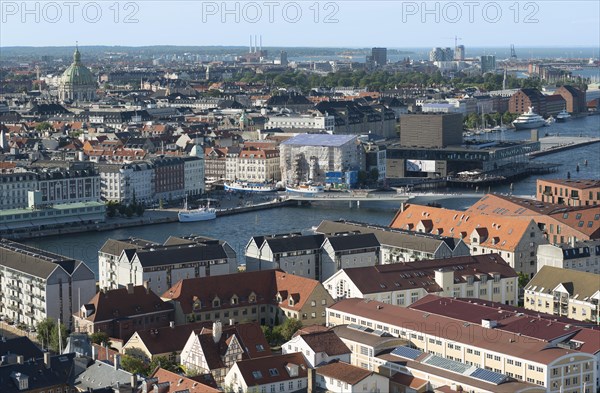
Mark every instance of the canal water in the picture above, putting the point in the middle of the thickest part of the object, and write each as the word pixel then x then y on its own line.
pixel 238 229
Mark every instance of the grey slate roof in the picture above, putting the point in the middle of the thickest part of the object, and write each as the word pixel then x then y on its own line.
pixel 22 346
pixel 101 375
pixel 115 247
pixel 166 255
pixel 40 377
pixel 390 236
pixel 295 243
pixel 30 260
pixel 353 241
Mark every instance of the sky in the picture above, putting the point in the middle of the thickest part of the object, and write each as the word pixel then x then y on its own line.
pixel 342 23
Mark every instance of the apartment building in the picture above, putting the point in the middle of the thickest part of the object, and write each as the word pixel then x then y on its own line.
pixel 582 256
pixel 486 277
pixel 344 377
pixel 565 292
pixel 14 185
pixel 576 192
pixel 169 178
pixel 122 182
pixel 560 224
pixel 137 261
pixel 37 284
pixel 268 297
pixel 193 175
pixel 514 238
pixel 400 245
pixel 215 163
pixel 258 165
pixel 301 123
pixel 499 344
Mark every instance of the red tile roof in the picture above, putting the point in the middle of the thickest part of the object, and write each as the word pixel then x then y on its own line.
pixel 344 372
pixel 179 383
pixel 250 368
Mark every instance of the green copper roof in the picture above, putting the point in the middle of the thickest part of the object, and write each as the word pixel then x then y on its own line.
pixel 77 74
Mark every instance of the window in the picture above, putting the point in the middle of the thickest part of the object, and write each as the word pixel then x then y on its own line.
pixel 281 386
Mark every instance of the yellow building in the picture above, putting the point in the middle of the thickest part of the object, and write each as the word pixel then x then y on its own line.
pixel 565 292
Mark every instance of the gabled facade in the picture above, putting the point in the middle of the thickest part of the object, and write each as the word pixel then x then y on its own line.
pixel 346 378
pixel 279 373
pixel 568 293
pixel 216 350
pixel 318 348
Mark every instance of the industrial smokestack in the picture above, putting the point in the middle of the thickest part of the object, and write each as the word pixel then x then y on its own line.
pixel 255 42
pixel 260 48
pixel 250 47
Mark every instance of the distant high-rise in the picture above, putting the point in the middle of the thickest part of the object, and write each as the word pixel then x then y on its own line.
pixel 379 56
pixel 459 53
pixel 441 54
pixel 283 59
pixel 488 63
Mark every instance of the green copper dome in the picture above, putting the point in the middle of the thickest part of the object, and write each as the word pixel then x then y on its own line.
pixel 77 74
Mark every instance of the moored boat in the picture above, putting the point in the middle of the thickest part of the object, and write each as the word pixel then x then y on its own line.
pixel 306 189
pixel 528 120
pixel 200 214
pixel 249 187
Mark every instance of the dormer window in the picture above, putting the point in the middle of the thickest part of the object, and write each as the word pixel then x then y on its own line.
pixel 234 299
pixel 216 302
pixel 278 298
pixel 291 301
pixel 252 298
pixel 197 305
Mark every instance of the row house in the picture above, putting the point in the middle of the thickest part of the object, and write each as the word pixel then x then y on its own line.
pixel 169 180
pixel 258 165
pixel 568 293
pixel 399 245
pixel 318 347
pixel 486 277
pixel 138 261
pixel 520 350
pixel 215 163
pixel 313 256
pixel 121 312
pixel 268 297
pixel 37 284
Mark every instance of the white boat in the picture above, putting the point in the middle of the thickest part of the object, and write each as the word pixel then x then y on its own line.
pixel 306 189
pixel 563 116
pixel 249 187
pixel 549 121
pixel 528 120
pixel 200 214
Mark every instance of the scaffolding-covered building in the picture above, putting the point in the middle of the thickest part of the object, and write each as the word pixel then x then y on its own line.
pixel 308 157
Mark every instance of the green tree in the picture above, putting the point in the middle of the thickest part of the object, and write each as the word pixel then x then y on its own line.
pixel 100 338
pixel 48 334
pixel 374 175
pixel 163 362
pixel 289 327
pixel 43 126
pixel 133 365
pixel 523 279
pixel 139 210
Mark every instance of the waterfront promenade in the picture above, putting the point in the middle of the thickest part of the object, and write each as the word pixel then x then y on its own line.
pixel 555 143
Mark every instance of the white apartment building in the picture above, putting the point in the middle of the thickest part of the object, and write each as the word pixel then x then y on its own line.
pixel 486 346
pixel 485 277
pixel 120 182
pixel 302 122
pixel 135 261
pixel 193 175
pixel 318 348
pixel 36 284
pixel 14 187
pixel 583 256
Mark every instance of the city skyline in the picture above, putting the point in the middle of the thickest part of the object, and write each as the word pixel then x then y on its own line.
pixel 296 24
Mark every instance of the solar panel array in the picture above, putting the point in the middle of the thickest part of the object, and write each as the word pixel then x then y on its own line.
pixel 446 364
pixel 488 376
pixel 407 352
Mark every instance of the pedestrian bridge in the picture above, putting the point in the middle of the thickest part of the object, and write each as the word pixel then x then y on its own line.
pixel 372 196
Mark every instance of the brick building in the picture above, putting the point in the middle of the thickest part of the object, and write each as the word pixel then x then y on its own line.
pixel 574 98
pixel 568 192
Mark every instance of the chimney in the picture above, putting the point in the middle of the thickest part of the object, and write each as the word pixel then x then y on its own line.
pixel 217 330
pixel 20 359
pixel 130 288
pixel 573 240
pixel 47 359
pixel 147 286
pixel 94 352
pixel 172 324
pixel 231 322
pixel 133 382
pixel 117 361
pixel 312 381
